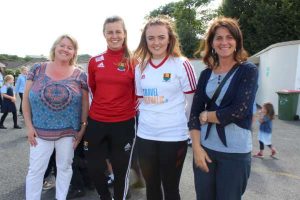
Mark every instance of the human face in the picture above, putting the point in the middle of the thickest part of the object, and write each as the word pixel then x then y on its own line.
pixel 115 35
pixel 157 37
pixel 224 43
pixel 64 50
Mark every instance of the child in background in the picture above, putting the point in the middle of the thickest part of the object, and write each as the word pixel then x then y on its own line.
pixel 9 101
pixel 265 129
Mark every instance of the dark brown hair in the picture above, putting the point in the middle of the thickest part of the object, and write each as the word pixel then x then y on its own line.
pixel 210 58
pixel 269 109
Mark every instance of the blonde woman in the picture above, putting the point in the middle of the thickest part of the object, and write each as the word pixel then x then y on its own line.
pixel 55 109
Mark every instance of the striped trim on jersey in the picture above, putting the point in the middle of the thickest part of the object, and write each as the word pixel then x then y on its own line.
pixel 190 75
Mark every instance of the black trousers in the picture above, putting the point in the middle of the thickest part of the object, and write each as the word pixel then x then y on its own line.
pixel 161 164
pixel 115 140
pixel 21 97
pixel 3 117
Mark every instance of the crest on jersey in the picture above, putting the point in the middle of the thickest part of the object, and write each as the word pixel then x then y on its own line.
pixel 121 67
pixel 166 77
pixel 143 76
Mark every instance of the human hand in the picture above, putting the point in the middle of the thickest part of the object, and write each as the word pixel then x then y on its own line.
pixel 77 139
pixel 31 135
pixel 203 117
pixel 13 99
pixel 201 158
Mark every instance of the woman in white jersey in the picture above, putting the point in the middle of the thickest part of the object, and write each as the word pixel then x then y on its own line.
pixel 165 83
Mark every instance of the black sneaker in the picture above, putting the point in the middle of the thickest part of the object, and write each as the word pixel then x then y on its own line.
pixel 75 193
pixel 17 127
pixel 2 127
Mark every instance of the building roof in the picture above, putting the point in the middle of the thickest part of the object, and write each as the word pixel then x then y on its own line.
pixel 255 57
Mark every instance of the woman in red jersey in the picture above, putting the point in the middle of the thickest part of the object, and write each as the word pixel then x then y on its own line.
pixel 110 131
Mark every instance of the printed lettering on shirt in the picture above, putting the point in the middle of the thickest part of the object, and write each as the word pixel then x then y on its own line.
pixel 99 58
pixel 100 65
pixel 150 96
pixel 166 77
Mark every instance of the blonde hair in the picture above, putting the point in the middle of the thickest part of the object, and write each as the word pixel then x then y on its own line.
pixel 23 68
pixel 58 40
pixel 8 78
pixel 211 58
pixel 142 52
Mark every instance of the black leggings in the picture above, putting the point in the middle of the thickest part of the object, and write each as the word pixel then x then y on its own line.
pixel 161 164
pixel 21 101
pixel 262 146
pixel 115 140
pixel 5 115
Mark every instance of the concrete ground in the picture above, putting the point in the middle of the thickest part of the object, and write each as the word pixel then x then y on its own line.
pixel 271 179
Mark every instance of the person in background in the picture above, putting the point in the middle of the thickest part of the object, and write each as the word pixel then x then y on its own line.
pixel 55 109
pixel 8 102
pixel 110 131
pixel 2 66
pixel 221 130
pixel 20 85
pixel 165 85
pixel 266 116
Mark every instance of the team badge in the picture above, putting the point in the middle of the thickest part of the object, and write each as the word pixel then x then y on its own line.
pixel 121 67
pixel 166 77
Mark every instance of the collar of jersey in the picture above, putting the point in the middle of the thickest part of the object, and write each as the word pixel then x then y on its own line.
pixel 160 64
pixel 118 52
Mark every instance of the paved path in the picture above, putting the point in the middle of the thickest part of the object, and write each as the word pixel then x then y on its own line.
pixel 270 179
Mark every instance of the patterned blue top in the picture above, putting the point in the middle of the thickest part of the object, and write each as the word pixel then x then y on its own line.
pixel 56 105
pixel 20 85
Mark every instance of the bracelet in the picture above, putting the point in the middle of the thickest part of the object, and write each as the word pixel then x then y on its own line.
pixel 83 123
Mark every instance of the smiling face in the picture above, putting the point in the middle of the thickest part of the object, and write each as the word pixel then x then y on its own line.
pixel 157 37
pixel 224 43
pixel 64 50
pixel 115 35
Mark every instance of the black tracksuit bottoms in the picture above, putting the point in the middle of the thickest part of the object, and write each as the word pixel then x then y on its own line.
pixel 113 140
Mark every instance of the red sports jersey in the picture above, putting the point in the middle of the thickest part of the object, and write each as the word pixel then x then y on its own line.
pixel 111 82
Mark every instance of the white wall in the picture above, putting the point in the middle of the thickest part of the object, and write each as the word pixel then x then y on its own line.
pixel 277 71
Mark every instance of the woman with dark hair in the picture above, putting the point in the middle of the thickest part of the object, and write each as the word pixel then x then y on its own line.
pixel 110 131
pixel 221 115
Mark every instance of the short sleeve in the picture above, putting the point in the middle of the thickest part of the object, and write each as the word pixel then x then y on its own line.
pixel 32 74
pixel 83 80
pixel 187 77
pixel 138 87
pixel 4 89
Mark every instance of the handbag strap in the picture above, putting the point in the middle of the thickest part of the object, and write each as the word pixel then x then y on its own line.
pixel 219 88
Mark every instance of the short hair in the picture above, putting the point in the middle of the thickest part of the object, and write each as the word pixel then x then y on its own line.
pixel 23 68
pixel 8 77
pixel 142 52
pixel 210 58
pixel 74 43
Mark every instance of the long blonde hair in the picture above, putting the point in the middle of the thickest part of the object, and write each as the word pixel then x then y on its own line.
pixel 142 52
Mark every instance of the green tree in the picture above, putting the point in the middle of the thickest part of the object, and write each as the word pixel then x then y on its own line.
pixel 265 22
pixel 191 17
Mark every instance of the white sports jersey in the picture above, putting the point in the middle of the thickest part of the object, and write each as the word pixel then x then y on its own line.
pixel 162 109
